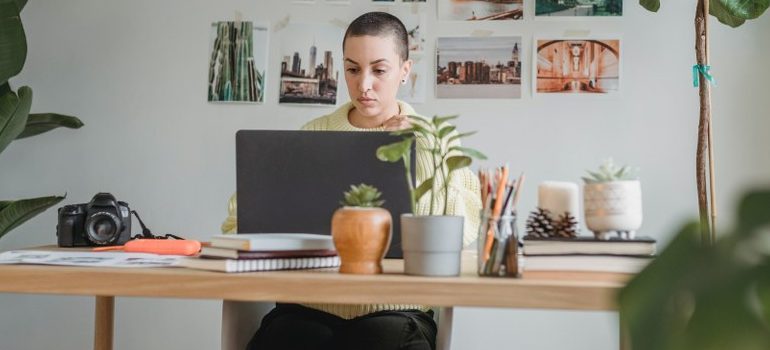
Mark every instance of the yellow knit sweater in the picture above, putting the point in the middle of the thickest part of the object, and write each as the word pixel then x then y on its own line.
pixel 464 200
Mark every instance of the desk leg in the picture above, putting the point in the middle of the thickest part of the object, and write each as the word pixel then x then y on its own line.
pixel 103 322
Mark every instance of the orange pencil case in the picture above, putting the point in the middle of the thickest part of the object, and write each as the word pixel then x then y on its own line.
pixel 157 246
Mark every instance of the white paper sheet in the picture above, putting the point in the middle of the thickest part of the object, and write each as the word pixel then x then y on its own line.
pixel 94 259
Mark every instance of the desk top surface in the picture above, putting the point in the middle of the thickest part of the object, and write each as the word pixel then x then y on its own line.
pixel 314 286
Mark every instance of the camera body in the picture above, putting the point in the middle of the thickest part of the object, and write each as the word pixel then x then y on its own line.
pixel 101 222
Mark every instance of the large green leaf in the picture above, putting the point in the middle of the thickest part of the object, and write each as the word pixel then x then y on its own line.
pixel 394 151
pixel 696 296
pixel 40 123
pixel 745 9
pixel 13 42
pixel 14 111
pixel 17 212
pixel 718 10
pixel 457 162
pixel 650 5
pixel 468 152
pixel 753 212
pixel 423 188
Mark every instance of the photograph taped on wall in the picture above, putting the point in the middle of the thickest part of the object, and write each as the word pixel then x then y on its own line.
pixel 579 8
pixel 577 66
pixel 415 23
pixel 414 89
pixel 480 10
pixel 478 67
pixel 237 62
pixel 311 58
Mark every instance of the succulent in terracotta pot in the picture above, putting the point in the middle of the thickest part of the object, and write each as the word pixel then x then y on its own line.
pixel 361 230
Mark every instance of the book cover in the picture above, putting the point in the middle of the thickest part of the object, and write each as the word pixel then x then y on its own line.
pixel 588 245
pixel 603 263
pixel 250 265
pixel 273 241
pixel 227 253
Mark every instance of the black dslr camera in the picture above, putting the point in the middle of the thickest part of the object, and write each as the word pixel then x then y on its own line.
pixel 102 221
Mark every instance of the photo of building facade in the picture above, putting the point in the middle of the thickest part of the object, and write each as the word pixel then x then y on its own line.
pixel 479 67
pixel 578 66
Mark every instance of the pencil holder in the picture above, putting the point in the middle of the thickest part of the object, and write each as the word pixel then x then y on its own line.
pixel 498 246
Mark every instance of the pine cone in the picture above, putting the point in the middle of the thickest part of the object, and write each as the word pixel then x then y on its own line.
pixel 540 224
pixel 566 226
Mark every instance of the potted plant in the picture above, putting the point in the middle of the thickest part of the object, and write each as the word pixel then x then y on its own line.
pixel 701 296
pixel 361 230
pixel 612 198
pixel 15 120
pixel 431 240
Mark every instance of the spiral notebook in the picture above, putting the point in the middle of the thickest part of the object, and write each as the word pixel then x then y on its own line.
pixel 250 265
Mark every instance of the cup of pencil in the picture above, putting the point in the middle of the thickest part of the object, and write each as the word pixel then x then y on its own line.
pixel 498 246
pixel 498 240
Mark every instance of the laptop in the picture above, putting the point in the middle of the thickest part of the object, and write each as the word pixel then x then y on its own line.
pixel 293 181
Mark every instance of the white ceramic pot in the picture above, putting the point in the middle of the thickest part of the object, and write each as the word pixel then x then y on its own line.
pixel 613 206
pixel 432 244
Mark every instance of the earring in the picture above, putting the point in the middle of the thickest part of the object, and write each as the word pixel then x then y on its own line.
pixel 403 81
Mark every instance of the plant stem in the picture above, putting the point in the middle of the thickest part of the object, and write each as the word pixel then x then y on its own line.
pixel 408 166
pixel 704 122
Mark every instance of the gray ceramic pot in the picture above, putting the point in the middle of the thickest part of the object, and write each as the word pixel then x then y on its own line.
pixel 431 244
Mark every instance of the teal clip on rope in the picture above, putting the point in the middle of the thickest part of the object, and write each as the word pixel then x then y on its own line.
pixel 702 69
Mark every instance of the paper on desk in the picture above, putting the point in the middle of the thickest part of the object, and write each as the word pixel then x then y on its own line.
pixel 93 259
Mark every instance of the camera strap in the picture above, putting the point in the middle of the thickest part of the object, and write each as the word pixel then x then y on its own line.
pixel 147 234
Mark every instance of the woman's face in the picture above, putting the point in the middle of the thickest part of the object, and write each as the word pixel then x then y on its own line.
pixel 373 72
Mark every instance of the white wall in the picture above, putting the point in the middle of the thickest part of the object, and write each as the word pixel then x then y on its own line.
pixel 135 73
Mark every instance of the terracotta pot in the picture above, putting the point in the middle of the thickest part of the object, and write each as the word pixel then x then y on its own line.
pixel 361 236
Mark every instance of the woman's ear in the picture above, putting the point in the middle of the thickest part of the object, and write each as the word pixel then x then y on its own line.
pixel 405 69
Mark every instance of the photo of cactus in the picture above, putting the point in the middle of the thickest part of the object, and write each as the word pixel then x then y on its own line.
pixel 478 67
pixel 310 66
pixel 237 62
pixel 480 10
pixel 578 8
pixel 577 66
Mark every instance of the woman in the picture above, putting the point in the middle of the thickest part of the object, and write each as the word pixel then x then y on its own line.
pixel 376 62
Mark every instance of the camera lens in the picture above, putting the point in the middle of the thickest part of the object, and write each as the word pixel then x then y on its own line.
pixel 103 228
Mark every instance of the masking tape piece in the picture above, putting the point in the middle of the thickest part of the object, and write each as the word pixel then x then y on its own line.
pixel 281 24
pixel 577 32
pixel 339 23
pixel 481 33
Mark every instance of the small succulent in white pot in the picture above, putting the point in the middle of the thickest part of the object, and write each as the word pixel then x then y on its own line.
pixel 612 198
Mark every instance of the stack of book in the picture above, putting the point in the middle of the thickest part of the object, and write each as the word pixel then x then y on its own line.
pixel 586 257
pixel 264 252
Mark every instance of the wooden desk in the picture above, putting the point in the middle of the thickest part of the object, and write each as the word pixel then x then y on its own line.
pixel 328 286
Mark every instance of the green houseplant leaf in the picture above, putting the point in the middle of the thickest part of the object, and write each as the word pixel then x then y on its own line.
pixel 746 9
pixel 14 111
pixel 40 123
pixel 15 213
pixel 697 296
pixel 650 5
pixel 13 42
pixel 394 151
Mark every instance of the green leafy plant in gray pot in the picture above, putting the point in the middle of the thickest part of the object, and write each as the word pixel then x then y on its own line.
pixel 15 120
pixel 732 13
pixel 700 296
pixel 432 240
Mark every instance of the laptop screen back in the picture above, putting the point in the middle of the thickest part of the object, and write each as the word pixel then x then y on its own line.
pixel 293 181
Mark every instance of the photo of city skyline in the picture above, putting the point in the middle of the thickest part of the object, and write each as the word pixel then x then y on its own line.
pixel 311 58
pixel 578 8
pixel 480 10
pixel 577 66
pixel 237 62
pixel 483 67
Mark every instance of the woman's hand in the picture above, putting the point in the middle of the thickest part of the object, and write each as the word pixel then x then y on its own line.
pixel 397 122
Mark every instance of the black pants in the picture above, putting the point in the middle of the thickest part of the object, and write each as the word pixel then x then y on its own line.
pixel 292 326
